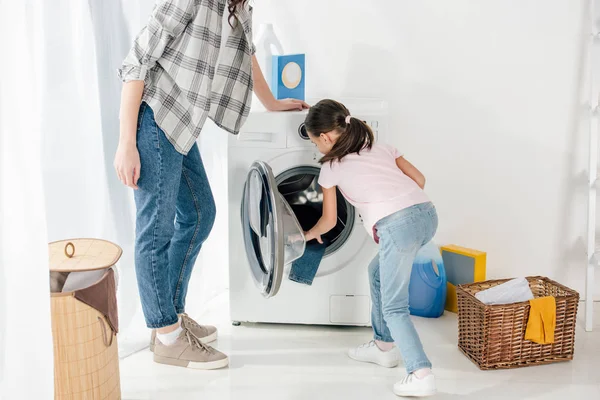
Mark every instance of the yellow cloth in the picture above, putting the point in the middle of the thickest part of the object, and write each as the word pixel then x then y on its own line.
pixel 542 320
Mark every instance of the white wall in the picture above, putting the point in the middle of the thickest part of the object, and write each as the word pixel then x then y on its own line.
pixel 486 99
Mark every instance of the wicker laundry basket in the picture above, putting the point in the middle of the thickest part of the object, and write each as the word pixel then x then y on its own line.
pixel 84 319
pixel 493 337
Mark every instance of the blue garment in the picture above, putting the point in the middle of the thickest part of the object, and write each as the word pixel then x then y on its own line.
pixel 401 236
pixel 175 212
pixel 305 268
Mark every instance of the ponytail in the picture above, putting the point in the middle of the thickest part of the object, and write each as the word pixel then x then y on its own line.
pixel 330 115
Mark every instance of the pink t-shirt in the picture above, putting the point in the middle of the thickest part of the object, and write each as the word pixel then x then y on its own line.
pixel 372 182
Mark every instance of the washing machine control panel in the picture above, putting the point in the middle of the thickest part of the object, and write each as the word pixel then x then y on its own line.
pixel 264 129
pixel 374 124
pixel 298 135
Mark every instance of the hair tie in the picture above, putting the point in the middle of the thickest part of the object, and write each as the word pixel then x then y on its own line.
pixel 348 118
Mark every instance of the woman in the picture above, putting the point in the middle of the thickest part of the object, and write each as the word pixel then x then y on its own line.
pixel 173 82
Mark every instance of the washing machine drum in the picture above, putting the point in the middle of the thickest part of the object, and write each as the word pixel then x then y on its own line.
pixel 273 236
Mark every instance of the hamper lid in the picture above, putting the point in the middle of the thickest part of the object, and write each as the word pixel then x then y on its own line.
pixel 75 255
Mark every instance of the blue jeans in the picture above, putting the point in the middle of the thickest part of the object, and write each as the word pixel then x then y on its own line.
pixel 305 268
pixel 401 235
pixel 175 214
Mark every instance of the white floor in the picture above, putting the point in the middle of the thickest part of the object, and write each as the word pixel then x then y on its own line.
pixel 273 362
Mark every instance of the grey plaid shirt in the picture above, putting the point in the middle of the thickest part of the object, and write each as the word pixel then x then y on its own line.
pixel 176 56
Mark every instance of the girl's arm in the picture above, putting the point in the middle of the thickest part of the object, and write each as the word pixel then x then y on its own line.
pixel 266 97
pixel 411 171
pixel 328 220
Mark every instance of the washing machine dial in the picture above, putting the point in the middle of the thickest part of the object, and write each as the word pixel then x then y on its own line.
pixel 302 132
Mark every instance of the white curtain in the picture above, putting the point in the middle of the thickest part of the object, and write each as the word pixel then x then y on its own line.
pixel 59 100
pixel 80 103
pixel 25 332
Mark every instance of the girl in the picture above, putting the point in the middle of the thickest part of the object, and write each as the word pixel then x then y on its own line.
pixel 388 192
pixel 173 82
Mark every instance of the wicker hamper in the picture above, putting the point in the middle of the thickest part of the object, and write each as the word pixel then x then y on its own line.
pixel 493 336
pixel 84 319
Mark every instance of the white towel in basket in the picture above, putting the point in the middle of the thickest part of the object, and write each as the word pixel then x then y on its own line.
pixel 513 291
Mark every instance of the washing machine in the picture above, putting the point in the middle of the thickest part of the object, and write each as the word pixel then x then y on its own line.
pixel 272 173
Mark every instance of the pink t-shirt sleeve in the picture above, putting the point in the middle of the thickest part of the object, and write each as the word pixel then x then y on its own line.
pixel 392 151
pixel 327 177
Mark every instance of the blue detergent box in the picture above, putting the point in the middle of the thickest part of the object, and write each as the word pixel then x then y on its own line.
pixel 288 76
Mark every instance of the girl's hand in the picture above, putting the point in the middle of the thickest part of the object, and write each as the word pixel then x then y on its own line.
pixel 287 105
pixel 310 236
pixel 127 164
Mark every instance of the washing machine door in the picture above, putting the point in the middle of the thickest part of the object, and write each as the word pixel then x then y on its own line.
pixel 273 236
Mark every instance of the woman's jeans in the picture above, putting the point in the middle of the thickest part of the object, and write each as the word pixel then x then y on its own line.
pixel 175 213
pixel 401 235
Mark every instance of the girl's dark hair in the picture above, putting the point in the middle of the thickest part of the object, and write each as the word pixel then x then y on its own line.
pixel 330 115
pixel 232 6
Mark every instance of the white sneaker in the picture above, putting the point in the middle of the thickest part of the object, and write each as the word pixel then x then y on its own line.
pixel 369 352
pixel 411 386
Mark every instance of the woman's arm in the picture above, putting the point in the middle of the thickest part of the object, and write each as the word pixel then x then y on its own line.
pixel 131 98
pixel 261 88
pixel 329 219
pixel 411 171
pixel 127 159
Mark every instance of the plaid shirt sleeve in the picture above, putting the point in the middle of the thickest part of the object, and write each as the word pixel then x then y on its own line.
pixel 167 21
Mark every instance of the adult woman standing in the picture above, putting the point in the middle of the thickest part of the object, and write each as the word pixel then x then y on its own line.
pixel 173 82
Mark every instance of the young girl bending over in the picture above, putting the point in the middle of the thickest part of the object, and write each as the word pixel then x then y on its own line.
pixel 388 192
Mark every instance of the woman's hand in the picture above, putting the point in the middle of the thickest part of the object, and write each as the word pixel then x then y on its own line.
pixel 127 164
pixel 311 236
pixel 287 105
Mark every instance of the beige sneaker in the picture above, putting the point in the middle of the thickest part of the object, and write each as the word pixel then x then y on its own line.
pixel 206 333
pixel 188 351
